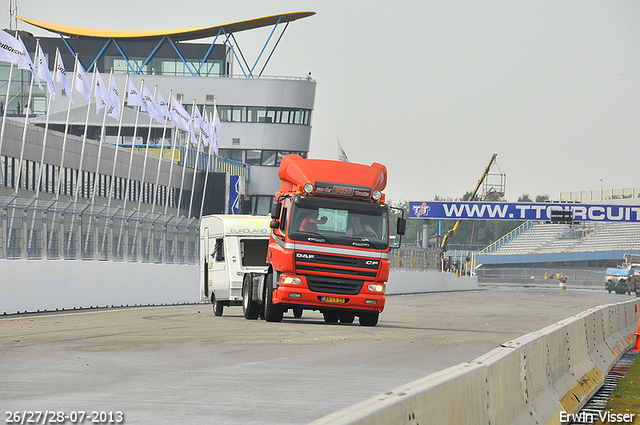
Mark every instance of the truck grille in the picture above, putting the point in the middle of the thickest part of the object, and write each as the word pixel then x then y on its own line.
pixel 346 267
pixel 333 285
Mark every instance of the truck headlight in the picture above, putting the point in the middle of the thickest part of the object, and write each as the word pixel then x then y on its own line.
pixel 288 280
pixel 376 195
pixel 376 288
pixel 308 188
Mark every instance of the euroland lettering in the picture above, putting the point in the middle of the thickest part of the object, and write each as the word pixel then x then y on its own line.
pixel 589 417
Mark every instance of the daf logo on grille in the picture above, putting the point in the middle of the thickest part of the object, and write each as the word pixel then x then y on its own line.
pixel 371 263
pixel 308 256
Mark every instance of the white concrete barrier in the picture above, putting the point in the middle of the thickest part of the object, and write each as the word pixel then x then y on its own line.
pixel 412 282
pixel 50 285
pixel 534 379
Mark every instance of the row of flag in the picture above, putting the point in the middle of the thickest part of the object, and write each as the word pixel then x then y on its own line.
pixel 13 50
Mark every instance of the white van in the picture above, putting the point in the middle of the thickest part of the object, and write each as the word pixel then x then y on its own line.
pixel 230 246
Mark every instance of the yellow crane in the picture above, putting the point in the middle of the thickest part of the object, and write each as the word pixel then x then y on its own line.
pixel 451 233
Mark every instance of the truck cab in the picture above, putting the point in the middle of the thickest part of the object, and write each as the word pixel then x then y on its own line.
pixel 329 244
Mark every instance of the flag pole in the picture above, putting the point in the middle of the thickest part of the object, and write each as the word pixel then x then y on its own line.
pixel 66 133
pixel 164 133
pixel 102 135
pixel 173 152
pixel 128 181
pixel 206 170
pixel 82 149
pixel 110 194
pixel 46 129
pixel 24 131
pixel 146 151
pixel 184 163
pixel 84 143
pixel 4 116
pixel 195 171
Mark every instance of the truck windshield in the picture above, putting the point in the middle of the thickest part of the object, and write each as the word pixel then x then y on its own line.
pixel 340 222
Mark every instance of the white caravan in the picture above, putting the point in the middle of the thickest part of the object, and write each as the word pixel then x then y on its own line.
pixel 230 246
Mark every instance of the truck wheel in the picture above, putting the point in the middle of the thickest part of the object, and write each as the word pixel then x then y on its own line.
pixel 331 316
pixel 250 308
pixel 297 312
pixel 272 312
pixel 369 319
pixel 217 306
pixel 347 317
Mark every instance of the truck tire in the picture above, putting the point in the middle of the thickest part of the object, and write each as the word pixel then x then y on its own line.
pixel 272 312
pixel 250 308
pixel 369 319
pixel 347 317
pixel 331 316
pixel 217 306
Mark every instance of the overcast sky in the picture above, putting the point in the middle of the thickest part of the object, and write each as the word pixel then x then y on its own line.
pixel 432 89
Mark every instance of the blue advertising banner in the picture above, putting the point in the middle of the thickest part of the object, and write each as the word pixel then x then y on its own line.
pixel 235 194
pixel 521 211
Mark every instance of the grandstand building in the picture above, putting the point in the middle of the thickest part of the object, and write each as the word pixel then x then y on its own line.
pixel 138 195
pixel 262 117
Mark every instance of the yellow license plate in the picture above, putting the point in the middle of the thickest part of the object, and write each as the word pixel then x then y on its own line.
pixel 334 300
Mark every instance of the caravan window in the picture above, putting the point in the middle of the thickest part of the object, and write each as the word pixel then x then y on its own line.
pixel 254 252
pixel 218 250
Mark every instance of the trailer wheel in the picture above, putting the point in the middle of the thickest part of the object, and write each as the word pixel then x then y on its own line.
pixel 272 312
pixel 369 319
pixel 217 306
pixel 297 312
pixel 250 308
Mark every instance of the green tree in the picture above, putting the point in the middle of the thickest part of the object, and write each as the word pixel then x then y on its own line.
pixel 525 198
pixel 542 198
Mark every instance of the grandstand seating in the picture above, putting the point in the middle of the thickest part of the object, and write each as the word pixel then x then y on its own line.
pixel 542 237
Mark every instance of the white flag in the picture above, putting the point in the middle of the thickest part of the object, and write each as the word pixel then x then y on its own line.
pixel 43 73
pixel 61 77
pixel 179 116
pixel 100 93
pixel 114 109
pixel 27 64
pixel 197 118
pixel 164 106
pixel 12 50
pixel 342 156
pixel 205 130
pixel 82 83
pixel 151 106
pixel 133 96
pixel 181 119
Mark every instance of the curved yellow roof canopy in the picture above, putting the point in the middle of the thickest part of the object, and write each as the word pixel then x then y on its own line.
pixel 176 34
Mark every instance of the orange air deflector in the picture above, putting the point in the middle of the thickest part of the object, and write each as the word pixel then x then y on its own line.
pixel 295 170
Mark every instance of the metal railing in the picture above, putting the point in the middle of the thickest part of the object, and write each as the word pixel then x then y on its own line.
pixel 599 195
pixel 65 232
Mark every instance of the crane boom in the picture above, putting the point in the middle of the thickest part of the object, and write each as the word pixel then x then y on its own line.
pixel 451 233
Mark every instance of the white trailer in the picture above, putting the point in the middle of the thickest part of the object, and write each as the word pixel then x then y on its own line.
pixel 230 246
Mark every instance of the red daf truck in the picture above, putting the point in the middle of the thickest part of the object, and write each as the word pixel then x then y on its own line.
pixel 329 244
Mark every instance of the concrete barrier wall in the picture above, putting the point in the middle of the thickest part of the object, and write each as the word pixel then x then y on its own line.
pixel 529 380
pixel 411 282
pixel 49 285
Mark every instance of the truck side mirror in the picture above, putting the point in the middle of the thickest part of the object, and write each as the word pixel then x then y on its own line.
pixel 401 226
pixel 274 224
pixel 275 211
